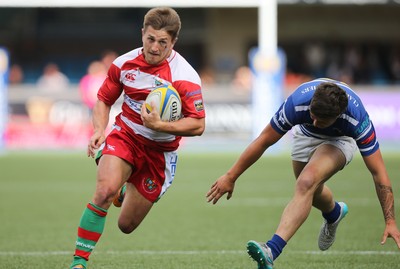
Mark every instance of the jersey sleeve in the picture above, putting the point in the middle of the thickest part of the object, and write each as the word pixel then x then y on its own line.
pixel 366 137
pixel 284 118
pixel 191 97
pixel 111 88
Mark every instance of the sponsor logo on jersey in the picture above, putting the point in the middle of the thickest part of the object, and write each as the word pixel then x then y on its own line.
pixel 363 126
pixel 158 83
pixel 193 93
pixel 133 104
pixel 198 105
pixel 130 76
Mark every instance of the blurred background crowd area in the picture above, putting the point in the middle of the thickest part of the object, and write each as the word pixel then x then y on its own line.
pixel 59 58
pixel 358 44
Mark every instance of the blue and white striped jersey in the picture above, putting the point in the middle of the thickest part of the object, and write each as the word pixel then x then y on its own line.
pixel 354 122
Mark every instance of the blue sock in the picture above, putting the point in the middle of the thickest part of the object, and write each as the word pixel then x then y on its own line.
pixel 332 216
pixel 276 244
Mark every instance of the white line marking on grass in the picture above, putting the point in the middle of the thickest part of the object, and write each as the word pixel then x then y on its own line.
pixel 194 252
pixel 34 253
pixel 347 253
pixel 282 201
pixel 177 252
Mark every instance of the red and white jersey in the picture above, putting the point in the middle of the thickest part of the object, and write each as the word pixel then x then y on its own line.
pixel 132 75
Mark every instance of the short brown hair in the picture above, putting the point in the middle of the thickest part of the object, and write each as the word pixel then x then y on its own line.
pixel 329 101
pixel 164 18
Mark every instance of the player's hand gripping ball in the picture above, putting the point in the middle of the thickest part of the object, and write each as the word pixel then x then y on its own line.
pixel 167 102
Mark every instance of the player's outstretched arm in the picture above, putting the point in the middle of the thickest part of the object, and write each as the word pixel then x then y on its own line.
pixel 376 166
pixel 226 183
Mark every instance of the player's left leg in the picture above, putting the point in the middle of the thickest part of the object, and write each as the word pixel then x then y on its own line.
pixel 332 211
pixel 324 163
pixel 112 173
pixel 134 209
pixel 90 229
pixel 323 196
pixel 153 175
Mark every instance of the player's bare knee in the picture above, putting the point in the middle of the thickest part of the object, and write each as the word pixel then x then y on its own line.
pixel 104 195
pixel 125 227
pixel 305 185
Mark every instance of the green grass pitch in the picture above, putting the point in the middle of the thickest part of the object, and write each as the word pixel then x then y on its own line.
pixel 42 197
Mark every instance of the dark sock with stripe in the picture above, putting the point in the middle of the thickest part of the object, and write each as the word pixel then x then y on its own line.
pixel 276 244
pixel 90 229
pixel 332 216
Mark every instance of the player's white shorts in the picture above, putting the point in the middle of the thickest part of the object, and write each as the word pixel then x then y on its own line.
pixel 304 146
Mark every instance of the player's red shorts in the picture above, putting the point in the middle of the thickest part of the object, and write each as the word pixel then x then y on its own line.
pixel 153 171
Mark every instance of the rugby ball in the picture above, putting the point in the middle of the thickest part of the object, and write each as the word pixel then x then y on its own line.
pixel 167 102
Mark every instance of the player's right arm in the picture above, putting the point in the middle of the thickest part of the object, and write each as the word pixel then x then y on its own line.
pixel 108 93
pixel 226 183
pixel 100 118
